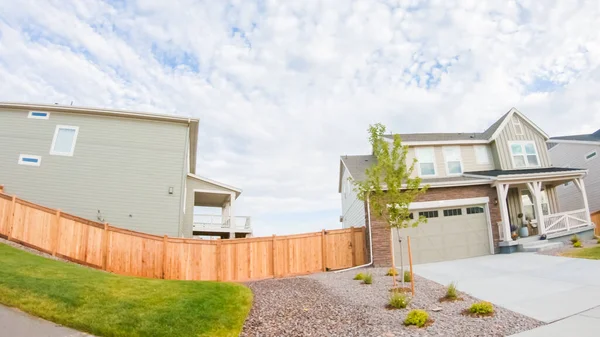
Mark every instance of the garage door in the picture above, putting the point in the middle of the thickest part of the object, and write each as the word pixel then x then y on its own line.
pixel 449 234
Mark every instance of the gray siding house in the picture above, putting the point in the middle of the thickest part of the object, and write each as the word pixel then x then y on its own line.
pixel 133 170
pixel 578 151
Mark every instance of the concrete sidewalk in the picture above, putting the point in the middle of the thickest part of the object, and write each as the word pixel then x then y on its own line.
pixel 17 323
pixel 584 324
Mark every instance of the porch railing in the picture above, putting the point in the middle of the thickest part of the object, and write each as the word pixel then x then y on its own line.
pixel 565 221
pixel 218 222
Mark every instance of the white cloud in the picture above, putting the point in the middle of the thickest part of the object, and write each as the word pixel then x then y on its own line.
pixel 283 88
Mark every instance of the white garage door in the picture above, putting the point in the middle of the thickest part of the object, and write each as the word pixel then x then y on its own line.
pixel 449 234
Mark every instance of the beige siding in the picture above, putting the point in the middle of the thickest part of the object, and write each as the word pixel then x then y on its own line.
pixel 353 209
pixel 468 157
pixel 502 147
pixel 514 205
pixel 122 167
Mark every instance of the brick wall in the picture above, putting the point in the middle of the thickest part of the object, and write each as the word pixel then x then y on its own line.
pixel 382 253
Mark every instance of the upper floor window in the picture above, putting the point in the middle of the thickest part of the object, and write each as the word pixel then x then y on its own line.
pixel 591 155
pixel 38 115
pixel 453 160
pixel 524 154
pixel 482 154
pixel 426 158
pixel 64 140
pixel 517 125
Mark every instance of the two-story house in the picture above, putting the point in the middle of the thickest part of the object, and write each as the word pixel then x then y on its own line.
pixel 131 169
pixel 578 151
pixel 479 183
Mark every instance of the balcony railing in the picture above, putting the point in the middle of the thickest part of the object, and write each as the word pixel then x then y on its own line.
pixel 565 221
pixel 205 222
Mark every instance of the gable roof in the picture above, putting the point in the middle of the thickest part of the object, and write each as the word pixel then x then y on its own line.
pixel 592 137
pixel 191 122
pixel 467 137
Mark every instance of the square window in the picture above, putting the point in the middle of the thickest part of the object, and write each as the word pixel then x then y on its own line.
pixel 482 154
pixel 524 154
pixel 453 159
pixel 454 167
pixel 426 159
pixel 64 140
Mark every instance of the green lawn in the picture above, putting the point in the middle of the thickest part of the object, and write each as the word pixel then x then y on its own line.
pixel 105 304
pixel 592 253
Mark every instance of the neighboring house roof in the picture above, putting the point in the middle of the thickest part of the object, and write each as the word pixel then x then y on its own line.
pixel 466 137
pixel 592 137
pixel 192 122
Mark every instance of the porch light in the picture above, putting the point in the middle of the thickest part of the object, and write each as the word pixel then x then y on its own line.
pixel 495 201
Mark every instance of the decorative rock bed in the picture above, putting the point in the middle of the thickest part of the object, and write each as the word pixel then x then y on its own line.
pixel 333 304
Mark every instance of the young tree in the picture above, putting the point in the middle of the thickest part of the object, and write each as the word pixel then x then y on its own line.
pixel 388 186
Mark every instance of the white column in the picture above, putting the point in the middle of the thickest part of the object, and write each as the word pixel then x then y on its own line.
pixel 231 216
pixel 502 190
pixel 581 186
pixel 535 187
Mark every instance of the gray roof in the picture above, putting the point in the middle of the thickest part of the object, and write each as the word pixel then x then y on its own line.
pixel 495 173
pixel 424 137
pixel 592 137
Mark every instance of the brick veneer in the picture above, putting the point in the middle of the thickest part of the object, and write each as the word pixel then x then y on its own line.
pixel 382 253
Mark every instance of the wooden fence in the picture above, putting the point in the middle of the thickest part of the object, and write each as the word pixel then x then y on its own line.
pixel 132 253
pixel 596 219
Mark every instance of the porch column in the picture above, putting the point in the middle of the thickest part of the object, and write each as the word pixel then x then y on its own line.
pixel 581 186
pixel 502 190
pixel 231 216
pixel 535 187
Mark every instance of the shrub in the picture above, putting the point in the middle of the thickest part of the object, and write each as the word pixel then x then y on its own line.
pixel 577 244
pixel 598 241
pixel 392 272
pixel 416 317
pixel 406 276
pixel 482 308
pixel 359 276
pixel 399 300
pixel 368 278
pixel 451 292
pixel 574 239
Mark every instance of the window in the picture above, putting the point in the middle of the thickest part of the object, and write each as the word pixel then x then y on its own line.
pixel 64 140
pixel 453 212
pixel 474 210
pixel 529 207
pixel 426 158
pixel 38 115
pixel 30 160
pixel 482 154
pixel 591 155
pixel 517 126
pixel 453 160
pixel 524 154
pixel 429 214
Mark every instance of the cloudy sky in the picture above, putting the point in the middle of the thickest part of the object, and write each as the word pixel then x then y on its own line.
pixel 283 88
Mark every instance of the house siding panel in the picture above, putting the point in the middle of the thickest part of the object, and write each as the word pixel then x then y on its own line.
pixel 468 157
pixel 353 209
pixel 122 167
pixel 508 134
pixel 573 155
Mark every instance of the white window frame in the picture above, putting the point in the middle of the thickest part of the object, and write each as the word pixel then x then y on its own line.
pixel 58 128
pixel 417 150
pixel 522 144
pixel 592 158
pixel 517 123
pixel 447 148
pixel 32 116
pixel 22 162
pixel 477 149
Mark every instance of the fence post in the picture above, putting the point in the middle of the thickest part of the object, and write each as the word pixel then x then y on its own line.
pixel 323 250
pixel 11 217
pixel 219 267
pixel 352 243
pixel 273 257
pixel 1 188
pixel 56 235
pixel 105 247
pixel 164 257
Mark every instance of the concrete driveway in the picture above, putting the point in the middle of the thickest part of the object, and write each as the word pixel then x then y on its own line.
pixel 547 288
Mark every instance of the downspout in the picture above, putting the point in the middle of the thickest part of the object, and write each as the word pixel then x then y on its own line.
pixel 370 242
pixel 182 200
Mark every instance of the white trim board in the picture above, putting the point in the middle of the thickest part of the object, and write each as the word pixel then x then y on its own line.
pixel 210 181
pixel 414 206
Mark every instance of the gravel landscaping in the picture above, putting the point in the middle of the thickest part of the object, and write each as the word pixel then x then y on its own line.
pixel 332 304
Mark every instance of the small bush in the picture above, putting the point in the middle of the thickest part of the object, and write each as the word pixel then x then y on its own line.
pixel 406 276
pixel 392 272
pixel 451 292
pixel 574 239
pixel 482 308
pixel 359 277
pixel 577 244
pixel 399 300
pixel 417 317
pixel 368 278
pixel 598 241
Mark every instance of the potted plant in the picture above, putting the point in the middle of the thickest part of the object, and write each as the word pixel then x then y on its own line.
pixel 523 231
pixel 513 231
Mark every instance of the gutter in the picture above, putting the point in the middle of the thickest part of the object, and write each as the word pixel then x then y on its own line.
pixel 370 243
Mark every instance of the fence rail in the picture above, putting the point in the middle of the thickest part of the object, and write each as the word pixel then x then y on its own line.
pixel 126 252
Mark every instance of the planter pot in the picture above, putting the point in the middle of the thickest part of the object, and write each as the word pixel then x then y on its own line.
pixel 514 236
pixel 523 232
